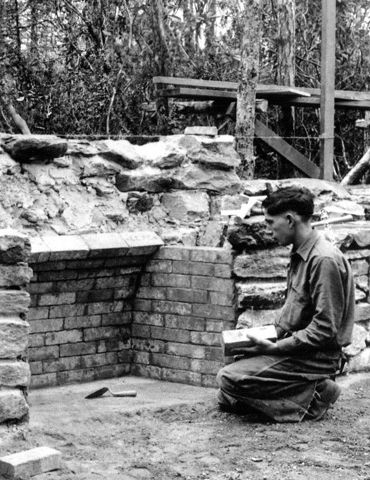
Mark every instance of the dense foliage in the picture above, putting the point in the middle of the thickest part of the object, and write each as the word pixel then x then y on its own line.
pixel 74 67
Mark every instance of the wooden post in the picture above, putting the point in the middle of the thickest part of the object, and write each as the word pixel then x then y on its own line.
pixel 327 89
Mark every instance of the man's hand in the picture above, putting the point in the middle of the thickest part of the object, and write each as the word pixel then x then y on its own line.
pixel 261 346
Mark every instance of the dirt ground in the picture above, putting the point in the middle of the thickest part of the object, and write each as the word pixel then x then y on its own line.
pixel 171 431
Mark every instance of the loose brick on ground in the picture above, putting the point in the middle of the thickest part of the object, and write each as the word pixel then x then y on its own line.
pixel 31 462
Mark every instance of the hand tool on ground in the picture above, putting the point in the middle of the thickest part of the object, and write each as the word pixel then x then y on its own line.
pixel 101 391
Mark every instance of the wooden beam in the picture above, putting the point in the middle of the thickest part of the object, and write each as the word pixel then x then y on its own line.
pixel 327 89
pixel 315 102
pixel 286 150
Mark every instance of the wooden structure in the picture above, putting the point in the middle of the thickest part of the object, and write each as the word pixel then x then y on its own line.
pixel 225 93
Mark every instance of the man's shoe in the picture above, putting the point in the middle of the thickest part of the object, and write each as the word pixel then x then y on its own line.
pixel 326 394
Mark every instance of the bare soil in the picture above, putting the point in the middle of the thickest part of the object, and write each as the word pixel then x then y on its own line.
pixel 172 431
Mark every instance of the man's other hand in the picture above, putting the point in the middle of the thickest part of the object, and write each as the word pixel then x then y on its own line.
pixel 261 346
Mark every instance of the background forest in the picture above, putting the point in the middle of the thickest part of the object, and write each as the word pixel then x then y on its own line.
pixel 75 68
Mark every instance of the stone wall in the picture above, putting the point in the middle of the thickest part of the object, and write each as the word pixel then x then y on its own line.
pixel 15 275
pixel 82 291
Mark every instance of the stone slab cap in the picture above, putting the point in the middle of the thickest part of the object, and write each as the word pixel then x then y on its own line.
pixel 66 247
pixel 30 462
pixel 142 243
pixel 40 252
pixel 106 244
pixel 14 246
pixel 211 131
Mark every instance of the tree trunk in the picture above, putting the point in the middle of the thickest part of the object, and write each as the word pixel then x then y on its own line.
pixel 286 70
pixel 189 45
pixel 160 39
pixel 248 78
pixel 161 60
pixel 357 171
pixel 34 28
pixel 17 119
pixel 210 25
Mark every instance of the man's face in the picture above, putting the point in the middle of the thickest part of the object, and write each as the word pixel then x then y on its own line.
pixel 280 227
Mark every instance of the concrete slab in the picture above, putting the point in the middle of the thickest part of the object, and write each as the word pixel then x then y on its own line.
pixel 51 402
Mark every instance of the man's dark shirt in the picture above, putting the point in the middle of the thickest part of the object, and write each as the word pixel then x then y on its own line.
pixel 319 310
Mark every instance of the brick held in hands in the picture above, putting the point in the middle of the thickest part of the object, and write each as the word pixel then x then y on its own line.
pixel 234 341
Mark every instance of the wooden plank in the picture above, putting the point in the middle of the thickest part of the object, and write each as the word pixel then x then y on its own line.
pixel 287 151
pixel 293 101
pixel 196 93
pixel 314 102
pixel 190 82
pixel 339 94
pixel 186 92
pixel 213 84
pixel 328 9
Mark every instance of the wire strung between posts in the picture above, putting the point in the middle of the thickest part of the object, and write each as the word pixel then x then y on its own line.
pixel 122 137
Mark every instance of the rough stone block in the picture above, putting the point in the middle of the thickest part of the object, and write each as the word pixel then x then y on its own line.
pixel 14 246
pixel 263 264
pixel 260 296
pixel 360 267
pixel 14 301
pixel 210 131
pixel 257 318
pixel 14 275
pixel 13 405
pixel 31 462
pixel 358 341
pixel 13 373
pixel 13 336
pixel 362 311
pixel 360 362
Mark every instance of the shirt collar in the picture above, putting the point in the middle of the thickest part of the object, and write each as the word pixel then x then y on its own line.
pixel 305 248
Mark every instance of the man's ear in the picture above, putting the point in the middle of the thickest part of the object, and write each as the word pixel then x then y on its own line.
pixel 290 219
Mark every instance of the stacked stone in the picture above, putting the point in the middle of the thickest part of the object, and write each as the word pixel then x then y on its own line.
pixel 260 265
pixel 82 299
pixel 15 275
pixel 185 300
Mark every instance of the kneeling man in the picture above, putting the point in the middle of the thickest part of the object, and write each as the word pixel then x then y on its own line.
pixel 294 378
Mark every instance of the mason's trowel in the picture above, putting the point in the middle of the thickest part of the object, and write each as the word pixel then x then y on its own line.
pixel 101 391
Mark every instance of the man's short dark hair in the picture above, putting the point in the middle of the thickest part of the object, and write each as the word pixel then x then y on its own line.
pixel 297 199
